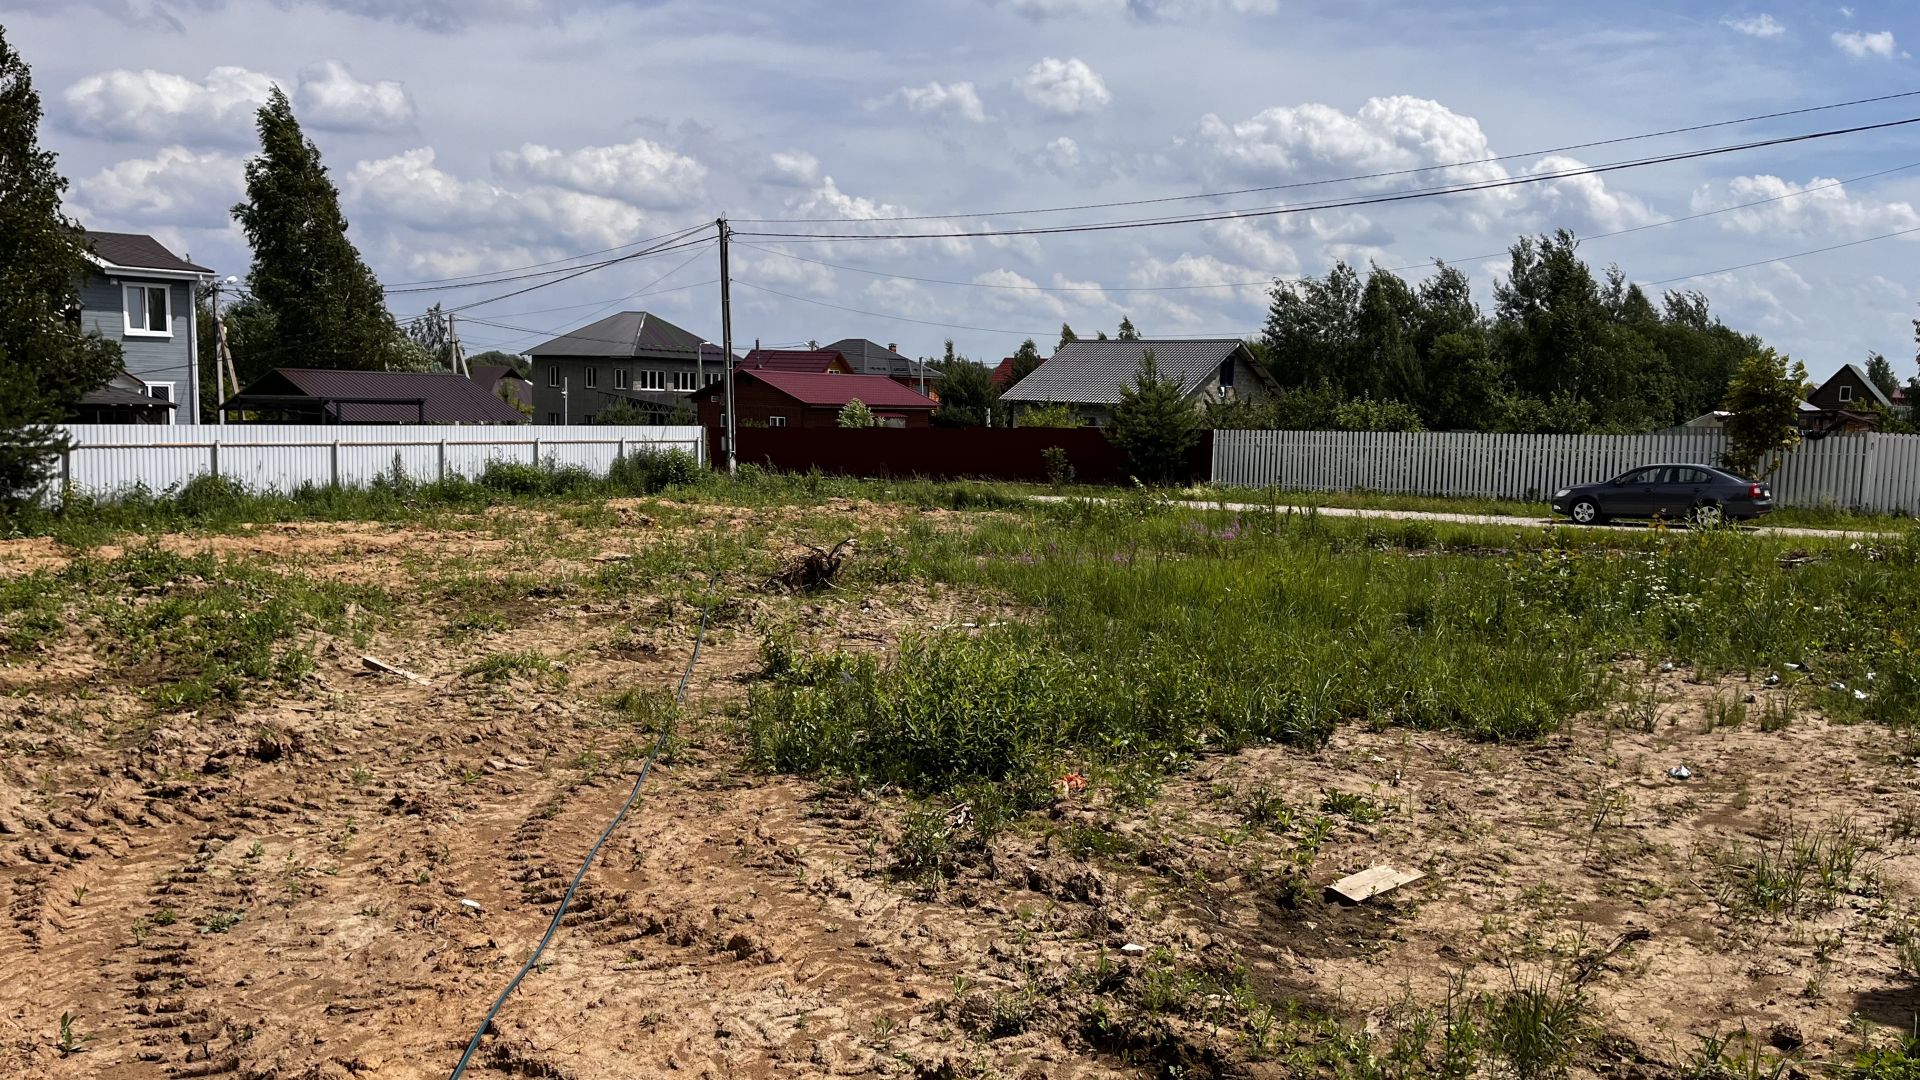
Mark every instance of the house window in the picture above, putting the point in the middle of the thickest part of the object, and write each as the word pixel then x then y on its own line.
pixel 587 419
pixel 713 378
pixel 162 391
pixel 593 377
pixel 553 375
pixel 1846 393
pixel 620 379
pixel 651 379
pixel 1226 374
pixel 149 310
pixel 683 381
pixel 776 421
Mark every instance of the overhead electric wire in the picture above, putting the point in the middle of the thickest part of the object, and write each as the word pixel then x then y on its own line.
pixel 1348 179
pixel 670 243
pixel 680 246
pixel 644 290
pixel 1369 200
pixel 466 278
pixel 1784 258
pixel 1270 280
pixel 553 927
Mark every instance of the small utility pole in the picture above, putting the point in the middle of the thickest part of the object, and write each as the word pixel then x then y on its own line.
pixel 222 359
pixel 726 338
pixel 453 344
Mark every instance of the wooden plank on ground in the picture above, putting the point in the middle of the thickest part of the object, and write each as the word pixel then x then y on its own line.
pixel 1372 882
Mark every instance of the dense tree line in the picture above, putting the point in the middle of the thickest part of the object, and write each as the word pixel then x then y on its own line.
pixel 1563 350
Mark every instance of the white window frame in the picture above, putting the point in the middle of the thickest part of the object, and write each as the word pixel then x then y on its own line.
pixel 127 289
pixel 776 421
pixel 683 382
pixel 620 380
pixel 1846 392
pixel 651 379
pixel 553 418
pixel 593 377
pixel 713 378
pixel 553 376
pixel 172 398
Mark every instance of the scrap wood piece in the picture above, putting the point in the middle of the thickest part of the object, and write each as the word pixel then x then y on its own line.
pixel 813 571
pixel 382 666
pixel 1371 882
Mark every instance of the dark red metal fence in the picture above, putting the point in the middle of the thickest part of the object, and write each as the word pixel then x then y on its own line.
pixel 941 453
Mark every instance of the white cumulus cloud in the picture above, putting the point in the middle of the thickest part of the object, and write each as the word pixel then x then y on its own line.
pixel 159 106
pixel 1818 208
pixel 1066 87
pixel 328 96
pixel 1862 45
pixel 409 189
pixel 1016 293
pixel 828 201
pixel 1395 135
pixel 177 186
pixel 1762 25
pixel 937 98
pixel 794 167
pixel 1143 10
pixel 642 171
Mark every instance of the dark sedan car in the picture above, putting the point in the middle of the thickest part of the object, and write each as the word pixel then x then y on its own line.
pixel 1699 493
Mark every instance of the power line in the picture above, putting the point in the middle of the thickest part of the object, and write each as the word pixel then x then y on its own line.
pixel 661 249
pixel 398 286
pixel 1371 200
pixel 644 290
pixel 1345 179
pixel 569 272
pixel 895 318
pixel 1270 280
pixel 1784 258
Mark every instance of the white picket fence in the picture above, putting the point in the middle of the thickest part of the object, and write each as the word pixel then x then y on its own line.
pixel 108 459
pixel 1862 472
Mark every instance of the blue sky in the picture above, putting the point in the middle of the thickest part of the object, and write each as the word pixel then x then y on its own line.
pixel 474 135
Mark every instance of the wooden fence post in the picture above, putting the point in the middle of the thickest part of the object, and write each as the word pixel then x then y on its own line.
pixel 443 461
pixel 213 457
pixel 333 456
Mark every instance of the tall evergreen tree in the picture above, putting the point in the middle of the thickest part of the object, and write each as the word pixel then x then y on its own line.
pixel 966 394
pixel 1067 335
pixel 1880 373
pixel 1127 332
pixel 326 306
pixel 1025 359
pixel 46 362
pixel 1155 426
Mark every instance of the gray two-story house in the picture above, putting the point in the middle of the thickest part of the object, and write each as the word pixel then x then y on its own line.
pixel 635 357
pixel 1090 376
pixel 140 295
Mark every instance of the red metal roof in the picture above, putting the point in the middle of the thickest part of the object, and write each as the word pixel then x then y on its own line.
pixel 1003 372
pixel 814 360
pixel 810 388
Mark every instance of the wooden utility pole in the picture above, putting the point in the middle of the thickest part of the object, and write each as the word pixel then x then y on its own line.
pixel 222 358
pixel 459 357
pixel 726 339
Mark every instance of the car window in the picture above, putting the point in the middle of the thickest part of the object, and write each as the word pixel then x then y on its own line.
pixel 1659 476
pixel 1690 476
pixel 1639 476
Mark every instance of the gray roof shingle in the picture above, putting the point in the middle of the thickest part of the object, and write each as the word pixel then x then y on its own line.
pixel 138 251
pixel 1094 372
pixel 628 334
pixel 872 358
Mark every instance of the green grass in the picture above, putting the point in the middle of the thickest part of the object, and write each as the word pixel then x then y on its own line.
pixel 505 666
pixel 1164 633
pixel 194 630
pixel 1820 517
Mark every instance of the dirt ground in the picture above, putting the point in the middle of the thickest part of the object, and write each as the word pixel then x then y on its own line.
pixel 336 881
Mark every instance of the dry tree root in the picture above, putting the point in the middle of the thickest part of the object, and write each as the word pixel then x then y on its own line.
pixel 814 570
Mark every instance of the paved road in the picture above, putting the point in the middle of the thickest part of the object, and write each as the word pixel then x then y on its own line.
pixel 1497 519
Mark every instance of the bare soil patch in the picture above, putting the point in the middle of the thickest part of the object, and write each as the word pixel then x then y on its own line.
pixel 278 889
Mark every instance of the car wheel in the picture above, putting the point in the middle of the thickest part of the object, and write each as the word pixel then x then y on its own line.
pixel 1708 515
pixel 1585 512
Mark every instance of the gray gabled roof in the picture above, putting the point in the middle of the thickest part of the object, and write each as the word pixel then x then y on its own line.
pixel 628 334
pixel 138 251
pixel 1094 372
pixel 1872 387
pixel 872 358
